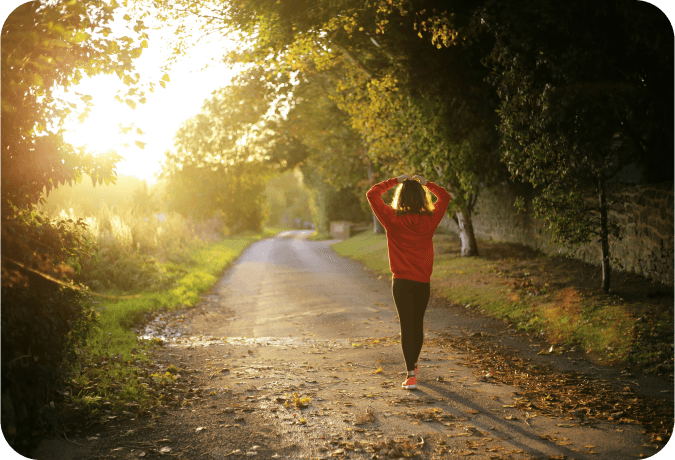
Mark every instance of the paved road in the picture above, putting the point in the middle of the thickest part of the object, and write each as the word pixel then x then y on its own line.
pixel 286 280
pixel 292 320
pixel 295 306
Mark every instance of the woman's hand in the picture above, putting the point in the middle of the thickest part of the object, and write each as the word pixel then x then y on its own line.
pixel 403 177
pixel 421 179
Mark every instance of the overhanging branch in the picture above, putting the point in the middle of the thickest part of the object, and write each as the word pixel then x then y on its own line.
pixel 352 60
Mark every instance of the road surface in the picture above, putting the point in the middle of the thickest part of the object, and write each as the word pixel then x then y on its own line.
pixel 297 356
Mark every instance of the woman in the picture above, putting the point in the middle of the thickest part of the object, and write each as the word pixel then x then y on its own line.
pixel 410 222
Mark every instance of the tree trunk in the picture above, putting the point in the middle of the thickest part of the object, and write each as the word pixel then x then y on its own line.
pixel 377 226
pixel 604 237
pixel 466 235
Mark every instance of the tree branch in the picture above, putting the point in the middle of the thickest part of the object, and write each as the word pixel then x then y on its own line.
pixel 355 62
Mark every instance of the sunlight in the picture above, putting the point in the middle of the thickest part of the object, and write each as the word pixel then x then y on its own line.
pixel 153 124
pixel 100 131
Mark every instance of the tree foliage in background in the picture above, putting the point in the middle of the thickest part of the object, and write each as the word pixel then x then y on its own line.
pixel 218 166
pixel 48 47
pixel 286 199
pixel 432 86
pixel 335 167
pixel 409 103
pixel 585 91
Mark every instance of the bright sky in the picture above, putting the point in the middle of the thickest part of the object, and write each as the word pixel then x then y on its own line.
pixel 159 118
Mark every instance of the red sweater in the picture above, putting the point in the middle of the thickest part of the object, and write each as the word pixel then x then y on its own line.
pixel 411 249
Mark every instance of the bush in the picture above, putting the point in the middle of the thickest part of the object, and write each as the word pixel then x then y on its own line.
pixel 43 322
pixel 137 250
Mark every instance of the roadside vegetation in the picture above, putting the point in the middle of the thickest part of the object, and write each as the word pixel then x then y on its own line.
pixel 143 260
pixel 110 377
pixel 136 258
pixel 319 236
pixel 553 297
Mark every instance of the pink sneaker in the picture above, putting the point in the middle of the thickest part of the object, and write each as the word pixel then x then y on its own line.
pixel 410 383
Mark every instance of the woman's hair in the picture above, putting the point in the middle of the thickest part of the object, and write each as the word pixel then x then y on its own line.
pixel 412 198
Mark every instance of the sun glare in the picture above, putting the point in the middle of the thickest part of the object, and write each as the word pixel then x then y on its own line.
pixel 153 124
pixel 98 134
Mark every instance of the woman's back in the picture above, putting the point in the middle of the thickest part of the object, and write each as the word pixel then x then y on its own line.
pixel 409 235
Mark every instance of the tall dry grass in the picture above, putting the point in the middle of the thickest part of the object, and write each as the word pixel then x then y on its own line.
pixel 139 250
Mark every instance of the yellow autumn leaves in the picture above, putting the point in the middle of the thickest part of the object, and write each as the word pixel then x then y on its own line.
pixel 296 400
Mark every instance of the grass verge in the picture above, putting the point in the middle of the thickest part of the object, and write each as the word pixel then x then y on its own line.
pixel 551 296
pixel 319 236
pixel 109 376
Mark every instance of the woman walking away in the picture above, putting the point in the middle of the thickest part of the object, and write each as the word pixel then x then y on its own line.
pixel 410 222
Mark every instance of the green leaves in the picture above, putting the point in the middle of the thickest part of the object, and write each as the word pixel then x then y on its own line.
pixel 72 43
pixel 564 120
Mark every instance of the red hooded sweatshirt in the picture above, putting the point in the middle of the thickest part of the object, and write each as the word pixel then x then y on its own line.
pixel 411 249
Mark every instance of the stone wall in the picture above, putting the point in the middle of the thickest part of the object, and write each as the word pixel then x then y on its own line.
pixel 340 229
pixel 645 216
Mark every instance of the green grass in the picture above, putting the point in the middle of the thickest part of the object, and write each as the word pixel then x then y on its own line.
pixel 110 367
pixel 370 248
pixel 564 316
pixel 319 236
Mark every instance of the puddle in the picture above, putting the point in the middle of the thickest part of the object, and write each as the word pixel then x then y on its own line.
pixel 168 329
pixel 162 327
pixel 175 338
pixel 286 341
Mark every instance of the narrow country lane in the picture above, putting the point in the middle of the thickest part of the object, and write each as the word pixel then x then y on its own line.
pixel 289 286
pixel 295 354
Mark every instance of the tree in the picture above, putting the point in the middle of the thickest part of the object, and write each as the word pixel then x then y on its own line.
pixel 335 165
pixel 48 47
pixel 585 90
pixel 390 83
pixel 430 109
pixel 218 167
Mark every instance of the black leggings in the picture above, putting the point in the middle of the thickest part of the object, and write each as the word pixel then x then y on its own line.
pixel 411 299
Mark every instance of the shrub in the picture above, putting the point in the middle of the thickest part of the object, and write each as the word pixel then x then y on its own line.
pixel 137 250
pixel 42 321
